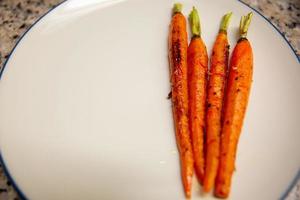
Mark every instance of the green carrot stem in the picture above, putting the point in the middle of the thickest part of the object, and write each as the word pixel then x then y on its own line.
pixel 244 24
pixel 177 8
pixel 195 22
pixel 225 22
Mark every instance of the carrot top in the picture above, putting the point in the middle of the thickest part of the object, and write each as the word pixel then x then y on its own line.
pixel 195 22
pixel 225 22
pixel 244 24
pixel 177 8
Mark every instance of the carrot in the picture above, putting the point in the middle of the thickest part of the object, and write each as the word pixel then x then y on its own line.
pixel 215 93
pixel 236 99
pixel 197 69
pixel 178 66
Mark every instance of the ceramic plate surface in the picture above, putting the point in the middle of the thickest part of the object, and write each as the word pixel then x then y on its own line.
pixel 84 111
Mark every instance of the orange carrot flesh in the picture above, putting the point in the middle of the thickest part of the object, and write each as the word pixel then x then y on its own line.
pixel 236 100
pixel 178 65
pixel 197 67
pixel 215 94
pixel 214 109
pixel 197 63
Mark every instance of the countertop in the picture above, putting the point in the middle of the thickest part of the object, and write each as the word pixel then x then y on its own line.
pixel 16 16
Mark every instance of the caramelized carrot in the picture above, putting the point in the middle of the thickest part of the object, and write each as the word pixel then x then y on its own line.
pixel 215 93
pixel 236 100
pixel 197 68
pixel 178 67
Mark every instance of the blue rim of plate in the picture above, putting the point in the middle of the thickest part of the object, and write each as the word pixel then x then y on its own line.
pixel 5 169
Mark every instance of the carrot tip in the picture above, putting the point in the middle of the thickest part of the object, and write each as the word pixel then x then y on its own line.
pixel 221 195
pixel 244 24
pixel 188 194
pixel 195 22
pixel 177 8
pixel 206 188
pixel 225 22
pixel 188 187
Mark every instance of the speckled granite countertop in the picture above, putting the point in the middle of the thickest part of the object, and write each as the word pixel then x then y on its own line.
pixel 16 16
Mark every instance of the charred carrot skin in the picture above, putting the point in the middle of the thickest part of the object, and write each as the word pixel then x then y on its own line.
pixel 236 100
pixel 178 66
pixel 197 68
pixel 215 94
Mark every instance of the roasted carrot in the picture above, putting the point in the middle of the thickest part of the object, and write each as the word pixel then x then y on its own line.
pixel 215 93
pixel 197 70
pixel 178 66
pixel 236 100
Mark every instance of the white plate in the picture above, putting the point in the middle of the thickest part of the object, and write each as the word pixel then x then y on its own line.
pixel 84 113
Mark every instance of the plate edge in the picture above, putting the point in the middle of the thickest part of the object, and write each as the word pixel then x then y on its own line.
pixel 18 190
pixel 5 169
pixel 275 27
